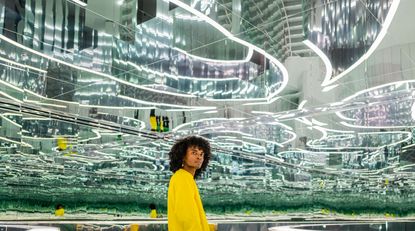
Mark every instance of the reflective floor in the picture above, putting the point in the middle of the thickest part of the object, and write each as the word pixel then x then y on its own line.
pixel 381 226
pixel 225 226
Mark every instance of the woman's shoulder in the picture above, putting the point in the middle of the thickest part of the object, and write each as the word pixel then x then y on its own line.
pixel 181 175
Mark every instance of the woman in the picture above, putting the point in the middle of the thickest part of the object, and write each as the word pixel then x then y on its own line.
pixel 189 157
pixel 59 210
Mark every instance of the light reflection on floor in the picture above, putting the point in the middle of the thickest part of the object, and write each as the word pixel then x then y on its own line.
pixel 223 225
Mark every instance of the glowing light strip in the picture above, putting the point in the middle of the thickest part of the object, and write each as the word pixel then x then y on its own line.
pixel 338 131
pixel 142 123
pixel 36 118
pixel 282 125
pixel 11 86
pixel 12 114
pixel 318 123
pixel 165 104
pixel 81 3
pixel 260 140
pixel 322 130
pixel 397 84
pixel 112 107
pixel 98 136
pixel 263 103
pixel 140 68
pixel 238 40
pixel 408 146
pixel 247 58
pixel 175 110
pixel 10 97
pixel 328 88
pixel 22 65
pixel 203 120
pixel 263 112
pixel 366 133
pixel 211 112
pixel 341 116
pixel 392 10
pixel 229 131
pixel 54 100
pixel 304 121
pixel 301 105
pixel 325 132
pixel 46 104
pixel 8 140
pixel 373 127
pixel 286 116
pixel 324 58
pixel 2 37
pixel 290 140
pixel 11 121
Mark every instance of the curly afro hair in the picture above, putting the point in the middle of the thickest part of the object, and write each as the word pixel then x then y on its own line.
pixel 178 152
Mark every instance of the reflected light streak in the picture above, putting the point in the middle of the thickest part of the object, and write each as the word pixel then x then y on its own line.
pixel 247 59
pixel 392 10
pixel 324 58
pixel 4 38
pixel 238 40
pixel 22 65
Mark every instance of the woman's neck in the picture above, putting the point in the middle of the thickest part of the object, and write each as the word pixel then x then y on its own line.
pixel 190 170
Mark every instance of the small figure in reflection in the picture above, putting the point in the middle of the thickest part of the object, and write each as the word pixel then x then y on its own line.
pixel 153 213
pixel 189 158
pixel 59 210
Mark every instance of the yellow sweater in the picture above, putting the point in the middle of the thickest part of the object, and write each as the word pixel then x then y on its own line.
pixel 184 208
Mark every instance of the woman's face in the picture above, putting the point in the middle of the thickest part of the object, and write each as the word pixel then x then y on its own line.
pixel 194 157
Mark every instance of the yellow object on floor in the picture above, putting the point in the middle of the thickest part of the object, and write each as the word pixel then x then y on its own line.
pixel 59 212
pixel 134 227
pixel 153 213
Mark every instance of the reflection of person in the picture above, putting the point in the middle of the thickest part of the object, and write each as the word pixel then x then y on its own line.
pixel 189 157
pixel 153 213
pixel 59 210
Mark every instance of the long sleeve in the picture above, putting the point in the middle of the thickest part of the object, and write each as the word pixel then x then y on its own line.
pixel 184 205
pixel 185 212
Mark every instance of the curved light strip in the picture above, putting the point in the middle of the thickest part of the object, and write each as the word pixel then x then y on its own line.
pixel 140 68
pixel 326 60
pixel 22 65
pixel 246 135
pixel 355 95
pixel 379 38
pixel 366 133
pixel 45 104
pixel 326 130
pixel 10 97
pixel 398 83
pixel 201 120
pixel 301 105
pixel 263 140
pixel 165 104
pixel 373 127
pixel 290 140
pixel 247 58
pixel 238 40
pixel 341 116
pixel 329 88
pixel 11 121
pixel 263 103
pixel 11 86
pixel 4 38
